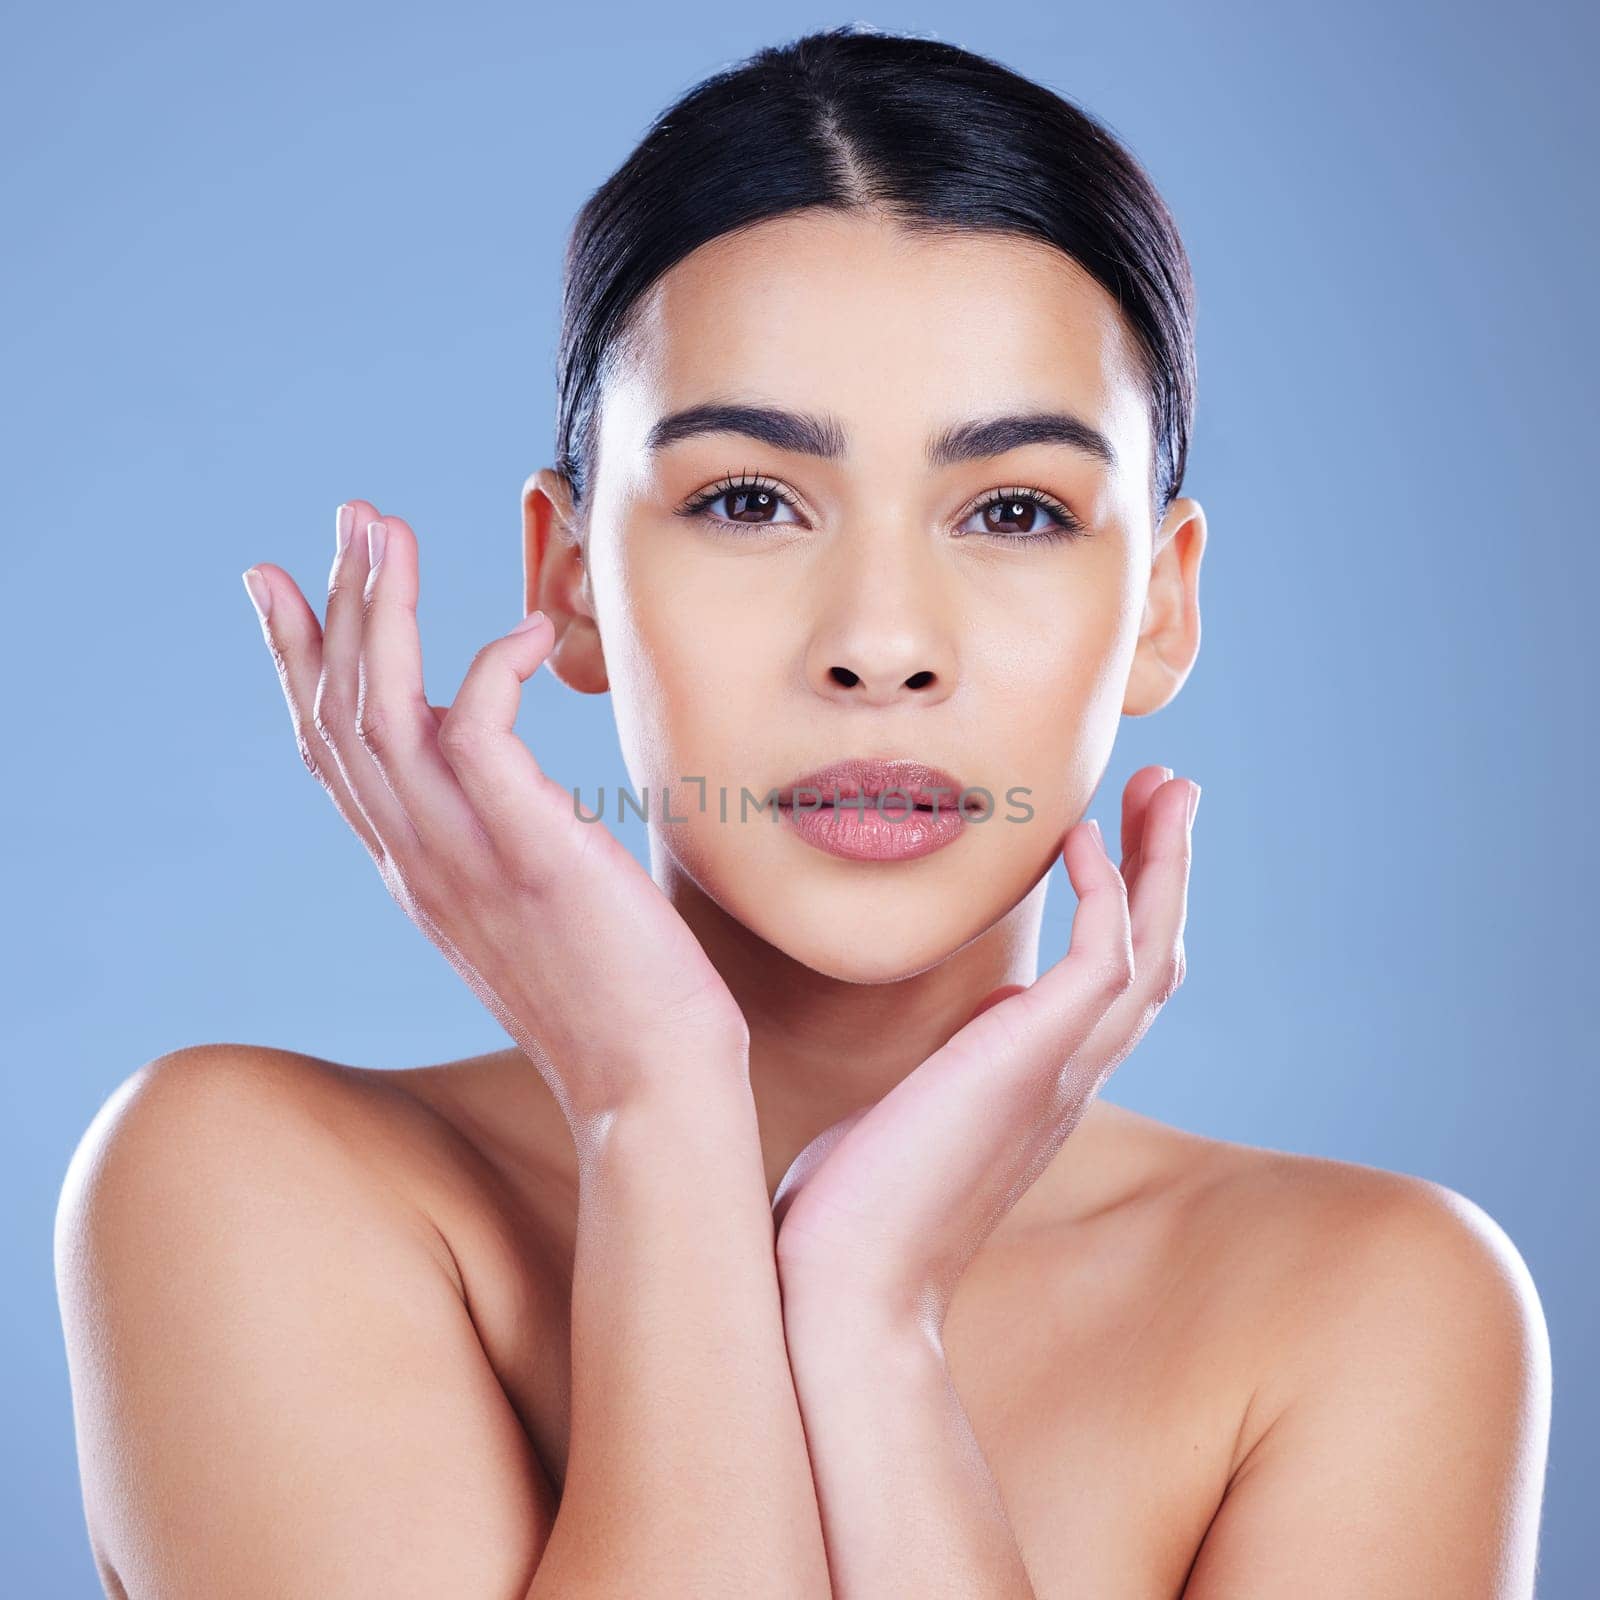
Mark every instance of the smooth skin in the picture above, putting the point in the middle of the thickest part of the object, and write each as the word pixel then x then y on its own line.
pixel 793 1249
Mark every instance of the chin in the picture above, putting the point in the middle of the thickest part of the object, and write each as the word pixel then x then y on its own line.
pixel 870 923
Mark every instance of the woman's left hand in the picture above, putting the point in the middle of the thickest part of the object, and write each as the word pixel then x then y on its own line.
pixel 893 1201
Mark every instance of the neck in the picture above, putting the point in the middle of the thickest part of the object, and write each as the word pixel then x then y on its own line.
pixel 822 1047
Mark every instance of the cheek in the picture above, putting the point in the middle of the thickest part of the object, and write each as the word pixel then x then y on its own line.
pixel 689 670
pixel 1055 667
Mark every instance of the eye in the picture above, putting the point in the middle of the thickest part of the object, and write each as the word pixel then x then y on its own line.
pixel 1019 514
pixel 751 502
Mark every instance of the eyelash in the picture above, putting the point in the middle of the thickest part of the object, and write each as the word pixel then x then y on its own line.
pixel 1069 526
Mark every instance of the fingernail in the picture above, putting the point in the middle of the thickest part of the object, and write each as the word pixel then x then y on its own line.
pixel 1166 774
pixel 532 620
pixel 377 532
pixel 1194 800
pixel 343 523
pixel 255 584
pixel 1095 828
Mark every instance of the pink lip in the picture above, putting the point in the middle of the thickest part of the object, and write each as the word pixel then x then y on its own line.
pixel 875 810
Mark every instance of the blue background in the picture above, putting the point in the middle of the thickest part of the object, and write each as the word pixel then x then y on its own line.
pixel 259 259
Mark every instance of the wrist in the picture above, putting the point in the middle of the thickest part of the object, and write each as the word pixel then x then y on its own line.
pixel 869 1290
pixel 831 1331
pixel 697 1127
pixel 665 1085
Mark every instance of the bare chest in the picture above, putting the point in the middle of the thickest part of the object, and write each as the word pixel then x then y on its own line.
pixel 1109 1412
pixel 1105 1395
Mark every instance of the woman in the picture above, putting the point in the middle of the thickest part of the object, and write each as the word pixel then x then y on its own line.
pixel 792 1249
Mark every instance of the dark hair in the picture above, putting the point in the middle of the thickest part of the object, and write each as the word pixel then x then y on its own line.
pixel 853 118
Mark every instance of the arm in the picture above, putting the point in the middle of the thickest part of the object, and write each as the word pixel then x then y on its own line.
pixel 881 1214
pixel 908 1500
pixel 1402 1452
pixel 688 1471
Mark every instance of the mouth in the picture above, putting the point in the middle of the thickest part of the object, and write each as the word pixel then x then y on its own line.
pixel 889 786
pixel 878 810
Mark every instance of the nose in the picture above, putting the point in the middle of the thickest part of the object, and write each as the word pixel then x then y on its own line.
pixel 884 632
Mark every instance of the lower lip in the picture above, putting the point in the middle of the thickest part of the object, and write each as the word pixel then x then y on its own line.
pixel 866 832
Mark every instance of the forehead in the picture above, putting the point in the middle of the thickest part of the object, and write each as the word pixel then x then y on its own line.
pixel 896 333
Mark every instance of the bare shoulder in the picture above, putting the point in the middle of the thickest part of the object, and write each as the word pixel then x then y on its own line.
pixel 249 1110
pixel 1314 1250
pixel 277 1382
pixel 1399 1368
pixel 1346 1245
pixel 1323 1226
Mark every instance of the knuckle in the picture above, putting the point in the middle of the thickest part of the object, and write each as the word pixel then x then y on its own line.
pixel 1168 975
pixel 323 721
pixel 524 873
pixel 1167 980
pixel 313 750
pixel 374 728
pixel 407 892
pixel 1119 972
pixel 461 738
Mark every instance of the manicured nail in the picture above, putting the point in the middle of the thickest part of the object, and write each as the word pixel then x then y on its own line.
pixel 260 595
pixel 1194 800
pixel 1166 774
pixel 377 532
pixel 1095 828
pixel 343 523
pixel 532 620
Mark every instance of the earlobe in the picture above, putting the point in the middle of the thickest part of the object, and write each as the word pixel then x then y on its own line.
pixel 1169 631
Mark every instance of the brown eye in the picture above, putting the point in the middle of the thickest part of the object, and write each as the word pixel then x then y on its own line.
pixel 1012 516
pixel 1025 515
pixel 751 505
pixel 743 503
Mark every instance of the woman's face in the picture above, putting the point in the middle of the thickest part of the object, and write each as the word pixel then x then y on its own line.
pixel 861 593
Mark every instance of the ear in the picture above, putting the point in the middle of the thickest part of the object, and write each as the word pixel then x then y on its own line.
pixel 555 580
pixel 1169 635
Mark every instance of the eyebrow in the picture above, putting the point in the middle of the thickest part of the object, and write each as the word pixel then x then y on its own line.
pixel 825 436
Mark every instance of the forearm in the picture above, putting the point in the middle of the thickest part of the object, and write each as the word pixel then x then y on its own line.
pixel 909 1505
pixel 687 1467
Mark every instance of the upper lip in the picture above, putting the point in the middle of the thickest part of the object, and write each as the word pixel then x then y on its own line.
pixel 869 777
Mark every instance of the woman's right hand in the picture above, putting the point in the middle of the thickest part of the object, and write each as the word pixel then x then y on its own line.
pixel 554 925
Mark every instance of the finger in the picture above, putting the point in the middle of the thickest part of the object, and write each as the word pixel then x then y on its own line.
pixel 1159 905
pixel 294 638
pixel 1070 996
pixel 1041 1038
pixel 394 722
pixel 1135 800
pixel 338 688
pixel 1132 946
pixel 989 1110
pixel 519 806
pixel 1033 1037
pixel 1158 912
